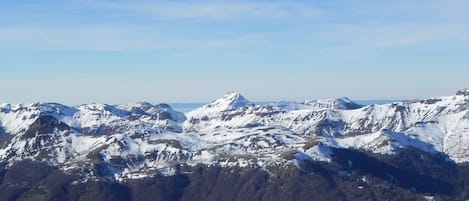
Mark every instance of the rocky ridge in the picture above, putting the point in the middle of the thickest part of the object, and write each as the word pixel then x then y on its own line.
pixel 140 140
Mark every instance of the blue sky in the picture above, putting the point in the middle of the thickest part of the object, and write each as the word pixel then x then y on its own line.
pixel 122 51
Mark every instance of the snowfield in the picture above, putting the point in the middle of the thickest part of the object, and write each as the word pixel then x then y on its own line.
pixel 138 140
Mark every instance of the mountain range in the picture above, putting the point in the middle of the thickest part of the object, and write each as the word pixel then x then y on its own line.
pixel 136 140
pixel 139 141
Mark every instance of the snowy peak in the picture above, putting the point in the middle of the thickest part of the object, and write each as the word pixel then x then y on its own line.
pixel 91 118
pixel 5 107
pixel 229 101
pixel 463 92
pixel 224 109
pixel 136 139
pixel 104 109
pixel 160 111
pixel 345 103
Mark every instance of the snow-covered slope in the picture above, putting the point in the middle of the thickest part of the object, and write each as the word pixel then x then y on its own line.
pixel 137 140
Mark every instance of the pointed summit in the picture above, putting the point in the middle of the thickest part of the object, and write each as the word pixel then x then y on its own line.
pixel 229 101
pixel 215 109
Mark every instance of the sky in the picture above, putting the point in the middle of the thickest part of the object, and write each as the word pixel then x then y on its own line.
pixel 122 51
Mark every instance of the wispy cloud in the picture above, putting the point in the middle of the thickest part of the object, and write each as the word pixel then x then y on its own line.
pixel 78 38
pixel 337 27
pixel 209 10
pixel 112 28
pixel 115 38
pixel 231 45
pixel 391 36
pixel 400 24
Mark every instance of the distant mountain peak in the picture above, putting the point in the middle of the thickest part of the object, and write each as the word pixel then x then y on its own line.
pixel 342 103
pixel 134 140
pixel 229 101
pixel 464 92
pixel 5 107
pixel 345 103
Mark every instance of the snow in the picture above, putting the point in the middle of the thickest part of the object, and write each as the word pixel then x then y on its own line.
pixel 463 92
pixel 231 131
pixel 15 118
pixel 339 103
pixel 320 153
pixel 230 101
pixel 429 198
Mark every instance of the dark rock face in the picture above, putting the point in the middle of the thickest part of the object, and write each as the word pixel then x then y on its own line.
pixel 45 125
pixel 463 92
pixel 22 177
pixel 353 175
pixel 346 104
pixel 4 138
pixel 430 101
pixel 45 131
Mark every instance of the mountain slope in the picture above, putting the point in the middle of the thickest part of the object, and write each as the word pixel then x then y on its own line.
pixel 141 140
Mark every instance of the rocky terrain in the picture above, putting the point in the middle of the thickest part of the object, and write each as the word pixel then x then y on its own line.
pixel 124 143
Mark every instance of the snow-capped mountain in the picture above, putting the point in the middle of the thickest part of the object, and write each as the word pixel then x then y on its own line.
pixel 137 140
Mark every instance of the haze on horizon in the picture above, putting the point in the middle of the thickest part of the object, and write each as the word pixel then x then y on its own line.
pixel 105 51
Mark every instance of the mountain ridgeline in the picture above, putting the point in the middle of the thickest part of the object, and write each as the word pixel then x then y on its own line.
pixel 232 149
